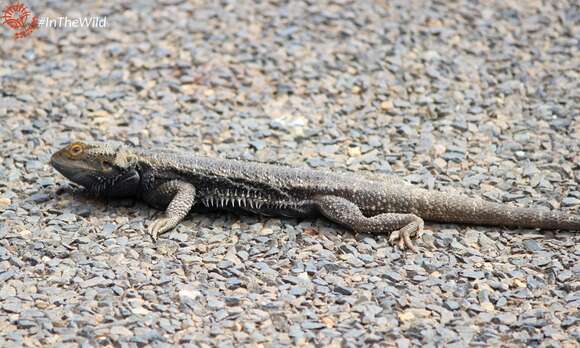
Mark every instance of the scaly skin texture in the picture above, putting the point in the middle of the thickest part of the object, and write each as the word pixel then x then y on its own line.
pixel 379 205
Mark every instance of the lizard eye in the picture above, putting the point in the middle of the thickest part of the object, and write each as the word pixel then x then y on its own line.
pixel 76 149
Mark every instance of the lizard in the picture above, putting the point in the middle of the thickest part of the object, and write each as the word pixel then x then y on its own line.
pixel 179 182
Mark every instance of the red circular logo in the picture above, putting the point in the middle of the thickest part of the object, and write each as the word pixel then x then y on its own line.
pixel 16 16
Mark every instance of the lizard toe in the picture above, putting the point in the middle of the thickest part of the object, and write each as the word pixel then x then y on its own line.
pixel 402 237
pixel 160 226
pixel 394 237
pixel 153 230
pixel 408 242
pixel 401 243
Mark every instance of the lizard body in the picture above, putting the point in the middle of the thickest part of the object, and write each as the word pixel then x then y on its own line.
pixel 179 182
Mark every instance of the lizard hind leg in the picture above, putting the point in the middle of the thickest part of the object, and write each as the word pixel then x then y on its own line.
pixel 402 227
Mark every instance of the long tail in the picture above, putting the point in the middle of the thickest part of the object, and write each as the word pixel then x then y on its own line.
pixel 445 207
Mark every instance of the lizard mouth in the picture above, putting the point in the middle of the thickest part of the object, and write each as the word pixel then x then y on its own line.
pixel 54 163
pixel 71 173
pixel 58 166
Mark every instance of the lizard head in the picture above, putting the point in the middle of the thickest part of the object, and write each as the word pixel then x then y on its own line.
pixel 103 169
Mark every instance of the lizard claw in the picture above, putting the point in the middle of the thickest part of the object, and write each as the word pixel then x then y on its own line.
pixel 160 226
pixel 402 237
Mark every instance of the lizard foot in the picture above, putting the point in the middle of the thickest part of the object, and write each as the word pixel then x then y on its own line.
pixel 161 226
pixel 402 237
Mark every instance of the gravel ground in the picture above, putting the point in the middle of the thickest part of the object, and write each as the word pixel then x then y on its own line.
pixel 460 96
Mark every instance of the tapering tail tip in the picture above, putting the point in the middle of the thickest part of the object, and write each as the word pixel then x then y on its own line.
pixel 462 209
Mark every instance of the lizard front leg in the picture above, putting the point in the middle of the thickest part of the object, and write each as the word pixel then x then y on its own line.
pixel 181 196
pixel 400 226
